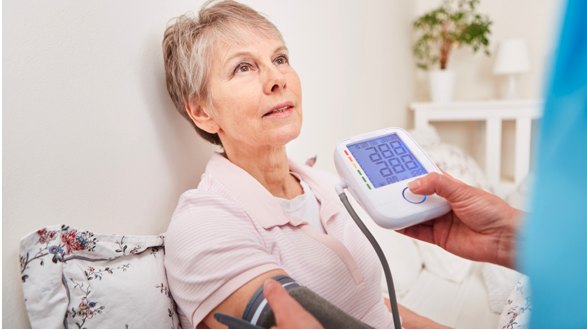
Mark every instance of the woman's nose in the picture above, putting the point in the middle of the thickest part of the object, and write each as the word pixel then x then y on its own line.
pixel 274 81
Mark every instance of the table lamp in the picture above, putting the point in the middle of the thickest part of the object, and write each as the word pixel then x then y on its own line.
pixel 512 58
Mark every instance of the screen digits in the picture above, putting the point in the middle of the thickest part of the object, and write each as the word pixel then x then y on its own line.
pixel 396 165
pixel 393 179
pixel 374 154
pixel 410 164
pixel 386 160
pixel 398 148
pixel 385 171
pixel 385 151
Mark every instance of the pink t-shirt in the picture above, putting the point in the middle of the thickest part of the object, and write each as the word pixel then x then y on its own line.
pixel 231 230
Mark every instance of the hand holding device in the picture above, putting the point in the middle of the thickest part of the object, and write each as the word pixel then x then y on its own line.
pixel 377 166
pixel 480 226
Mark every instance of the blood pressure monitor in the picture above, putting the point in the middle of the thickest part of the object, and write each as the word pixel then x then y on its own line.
pixel 377 167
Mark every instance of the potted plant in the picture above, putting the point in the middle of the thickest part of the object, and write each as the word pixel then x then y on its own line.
pixel 442 30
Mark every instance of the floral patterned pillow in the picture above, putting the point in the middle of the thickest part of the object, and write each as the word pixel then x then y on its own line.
pixel 517 311
pixel 73 278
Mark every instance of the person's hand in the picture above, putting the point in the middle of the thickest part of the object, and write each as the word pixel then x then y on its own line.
pixel 480 226
pixel 289 314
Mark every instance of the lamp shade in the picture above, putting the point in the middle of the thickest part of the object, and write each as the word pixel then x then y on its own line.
pixel 512 57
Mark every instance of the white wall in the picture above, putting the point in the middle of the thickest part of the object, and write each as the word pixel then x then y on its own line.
pixel 91 139
pixel 536 21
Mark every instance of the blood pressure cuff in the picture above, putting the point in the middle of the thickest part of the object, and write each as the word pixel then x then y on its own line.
pixel 258 311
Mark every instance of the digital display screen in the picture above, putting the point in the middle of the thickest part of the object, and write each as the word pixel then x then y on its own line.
pixel 386 160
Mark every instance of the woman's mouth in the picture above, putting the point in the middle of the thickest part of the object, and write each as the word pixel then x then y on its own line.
pixel 283 111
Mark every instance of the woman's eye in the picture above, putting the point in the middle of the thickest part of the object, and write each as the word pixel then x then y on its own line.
pixel 243 67
pixel 281 60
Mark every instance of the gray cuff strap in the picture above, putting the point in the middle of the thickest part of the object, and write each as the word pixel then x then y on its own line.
pixel 258 312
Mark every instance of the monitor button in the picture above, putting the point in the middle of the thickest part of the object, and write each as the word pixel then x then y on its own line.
pixel 413 198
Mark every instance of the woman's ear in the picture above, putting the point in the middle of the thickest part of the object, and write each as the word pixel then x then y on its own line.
pixel 200 116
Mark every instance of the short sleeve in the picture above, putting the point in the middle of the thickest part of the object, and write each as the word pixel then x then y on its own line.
pixel 212 249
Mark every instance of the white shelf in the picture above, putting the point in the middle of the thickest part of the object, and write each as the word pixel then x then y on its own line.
pixel 493 113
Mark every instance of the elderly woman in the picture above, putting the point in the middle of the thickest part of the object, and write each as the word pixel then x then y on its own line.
pixel 256 214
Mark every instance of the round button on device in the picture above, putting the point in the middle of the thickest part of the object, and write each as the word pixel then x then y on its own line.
pixel 413 198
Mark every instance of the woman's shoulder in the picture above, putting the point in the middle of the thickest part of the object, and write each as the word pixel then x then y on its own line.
pixel 210 200
pixel 209 189
pixel 208 217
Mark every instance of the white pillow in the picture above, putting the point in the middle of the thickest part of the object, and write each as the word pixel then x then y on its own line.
pixel 451 158
pixel 404 261
pixel 500 283
pixel 75 278
pixel 400 251
pixel 520 197
pixel 444 264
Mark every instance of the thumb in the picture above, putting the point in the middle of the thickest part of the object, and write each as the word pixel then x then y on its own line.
pixel 280 301
pixel 435 183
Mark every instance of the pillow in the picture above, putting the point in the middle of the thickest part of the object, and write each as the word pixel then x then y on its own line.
pixel 518 308
pixel 452 159
pixel 520 197
pixel 73 278
pixel 444 264
pixel 400 251
pixel 500 282
pixel 404 260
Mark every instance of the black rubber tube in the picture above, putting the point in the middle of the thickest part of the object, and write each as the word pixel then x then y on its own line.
pixel 389 279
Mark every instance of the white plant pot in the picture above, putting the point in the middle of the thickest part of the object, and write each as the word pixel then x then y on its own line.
pixel 442 85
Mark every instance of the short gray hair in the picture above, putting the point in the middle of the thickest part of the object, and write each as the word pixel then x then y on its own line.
pixel 188 49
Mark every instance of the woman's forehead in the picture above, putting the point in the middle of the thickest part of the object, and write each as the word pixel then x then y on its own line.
pixel 254 44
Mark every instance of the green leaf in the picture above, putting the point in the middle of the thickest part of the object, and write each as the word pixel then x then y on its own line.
pixel 450 24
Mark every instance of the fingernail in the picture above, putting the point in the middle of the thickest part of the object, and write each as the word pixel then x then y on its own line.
pixel 269 283
pixel 414 184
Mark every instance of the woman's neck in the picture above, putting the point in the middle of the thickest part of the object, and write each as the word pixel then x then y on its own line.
pixel 269 166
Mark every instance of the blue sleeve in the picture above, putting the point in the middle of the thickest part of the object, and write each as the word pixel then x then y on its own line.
pixel 553 250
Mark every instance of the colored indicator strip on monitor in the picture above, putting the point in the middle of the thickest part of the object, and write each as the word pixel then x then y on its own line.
pixel 346 152
pixel 369 186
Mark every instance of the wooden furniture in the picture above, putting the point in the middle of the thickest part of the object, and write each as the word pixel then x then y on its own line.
pixel 493 113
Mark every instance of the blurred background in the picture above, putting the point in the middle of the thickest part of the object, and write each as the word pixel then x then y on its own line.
pixel 92 139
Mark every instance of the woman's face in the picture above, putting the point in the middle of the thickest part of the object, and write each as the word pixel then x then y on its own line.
pixel 257 94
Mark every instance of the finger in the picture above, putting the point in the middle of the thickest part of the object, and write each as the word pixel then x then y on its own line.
pixel 435 183
pixel 423 232
pixel 281 302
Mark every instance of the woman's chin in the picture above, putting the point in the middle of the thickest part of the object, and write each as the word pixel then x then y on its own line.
pixel 283 136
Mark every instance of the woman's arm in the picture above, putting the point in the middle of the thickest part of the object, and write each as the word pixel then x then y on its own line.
pixel 236 303
pixel 289 314
pixel 213 256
